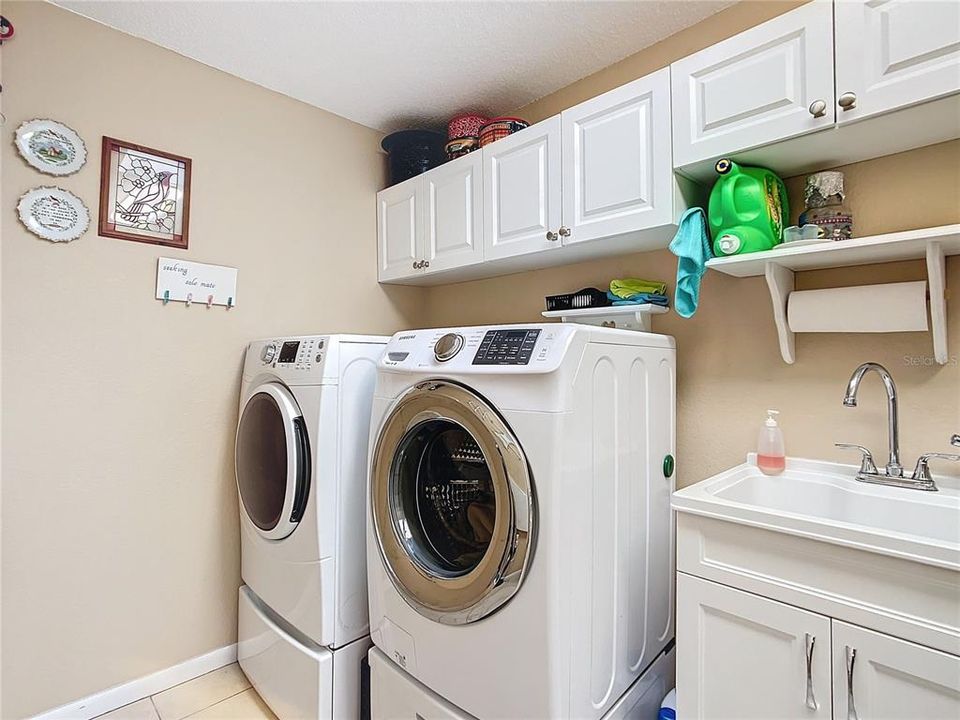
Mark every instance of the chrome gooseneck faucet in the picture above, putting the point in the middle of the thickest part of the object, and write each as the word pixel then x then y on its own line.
pixel 894 468
pixel 921 478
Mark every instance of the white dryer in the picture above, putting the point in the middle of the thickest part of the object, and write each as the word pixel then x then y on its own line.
pixel 301 456
pixel 520 537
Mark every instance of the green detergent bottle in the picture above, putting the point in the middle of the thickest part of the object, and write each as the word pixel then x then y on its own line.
pixel 748 206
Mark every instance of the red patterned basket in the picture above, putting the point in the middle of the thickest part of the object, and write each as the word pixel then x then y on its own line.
pixel 465 125
pixel 499 128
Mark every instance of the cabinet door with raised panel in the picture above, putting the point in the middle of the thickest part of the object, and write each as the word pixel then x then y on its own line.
pixel 521 194
pixel 617 169
pixel 744 657
pixel 769 83
pixel 878 677
pixel 453 197
pixel 398 229
pixel 895 53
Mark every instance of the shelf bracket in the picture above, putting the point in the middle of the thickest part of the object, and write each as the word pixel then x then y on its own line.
pixel 936 283
pixel 780 281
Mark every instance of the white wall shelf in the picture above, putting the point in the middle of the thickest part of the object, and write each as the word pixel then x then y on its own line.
pixel 779 265
pixel 892 247
pixel 625 317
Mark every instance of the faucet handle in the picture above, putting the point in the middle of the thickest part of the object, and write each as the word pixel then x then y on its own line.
pixel 867 465
pixel 921 473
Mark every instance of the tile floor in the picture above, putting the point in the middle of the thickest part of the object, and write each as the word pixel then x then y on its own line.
pixel 223 694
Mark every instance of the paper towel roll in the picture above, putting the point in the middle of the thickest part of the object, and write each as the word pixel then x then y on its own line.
pixel 894 307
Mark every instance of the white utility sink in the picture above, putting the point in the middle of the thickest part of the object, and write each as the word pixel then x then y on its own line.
pixel 824 501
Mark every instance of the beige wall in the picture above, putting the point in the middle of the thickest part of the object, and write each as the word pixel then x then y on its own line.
pixel 120 539
pixel 729 365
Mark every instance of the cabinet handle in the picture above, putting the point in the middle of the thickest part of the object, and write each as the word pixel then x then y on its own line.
pixel 552 236
pixel 810 642
pixel 818 108
pixel 564 231
pixel 847 101
pixel 851 661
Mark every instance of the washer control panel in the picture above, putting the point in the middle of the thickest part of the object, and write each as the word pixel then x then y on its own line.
pixel 483 350
pixel 506 347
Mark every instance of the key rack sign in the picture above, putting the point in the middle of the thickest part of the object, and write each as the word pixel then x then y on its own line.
pixel 192 282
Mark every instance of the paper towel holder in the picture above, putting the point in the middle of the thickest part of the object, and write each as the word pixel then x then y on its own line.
pixel 778 266
pixel 781 282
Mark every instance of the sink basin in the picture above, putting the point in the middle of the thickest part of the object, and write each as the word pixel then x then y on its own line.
pixel 824 501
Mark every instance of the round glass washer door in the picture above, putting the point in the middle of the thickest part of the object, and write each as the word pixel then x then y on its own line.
pixel 272 461
pixel 453 503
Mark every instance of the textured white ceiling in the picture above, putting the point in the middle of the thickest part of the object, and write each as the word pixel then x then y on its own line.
pixel 391 65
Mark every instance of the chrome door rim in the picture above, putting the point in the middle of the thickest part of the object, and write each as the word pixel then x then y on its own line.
pixel 290 413
pixel 467 597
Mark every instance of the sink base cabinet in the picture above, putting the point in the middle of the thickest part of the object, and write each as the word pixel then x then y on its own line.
pixel 877 676
pixel 758 608
pixel 745 657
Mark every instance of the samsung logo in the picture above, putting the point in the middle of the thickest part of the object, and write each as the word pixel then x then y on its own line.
pixel 406 337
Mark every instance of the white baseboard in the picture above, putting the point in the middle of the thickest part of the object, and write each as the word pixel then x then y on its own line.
pixel 120 695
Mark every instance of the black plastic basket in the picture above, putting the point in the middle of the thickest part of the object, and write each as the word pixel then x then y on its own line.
pixel 586 298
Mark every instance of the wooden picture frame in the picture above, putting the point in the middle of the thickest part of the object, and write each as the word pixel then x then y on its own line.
pixel 144 194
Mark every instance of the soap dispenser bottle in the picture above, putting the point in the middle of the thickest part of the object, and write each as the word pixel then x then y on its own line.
pixel 771 455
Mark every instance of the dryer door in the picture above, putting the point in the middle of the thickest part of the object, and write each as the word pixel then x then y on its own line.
pixel 273 461
pixel 453 503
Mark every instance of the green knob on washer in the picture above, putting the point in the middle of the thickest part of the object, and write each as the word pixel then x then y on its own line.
pixel 668 466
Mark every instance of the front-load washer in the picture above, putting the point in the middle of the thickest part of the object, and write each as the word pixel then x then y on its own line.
pixel 301 458
pixel 520 538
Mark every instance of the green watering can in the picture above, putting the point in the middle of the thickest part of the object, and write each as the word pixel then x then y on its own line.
pixel 748 206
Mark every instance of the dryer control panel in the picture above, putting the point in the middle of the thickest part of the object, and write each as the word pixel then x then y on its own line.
pixel 299 354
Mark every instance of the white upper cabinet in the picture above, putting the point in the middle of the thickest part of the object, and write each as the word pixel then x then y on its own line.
pixel 617 169
pixel 769 83
pixel 521 198
pixel 398 229
pixel 453 201
pixel 878 677
pixel 895 53
pixel 743 657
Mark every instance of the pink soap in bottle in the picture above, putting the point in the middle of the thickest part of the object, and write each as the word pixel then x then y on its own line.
pixel 771 455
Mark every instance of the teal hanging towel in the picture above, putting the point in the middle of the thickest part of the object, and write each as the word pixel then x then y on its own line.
pixel 691 245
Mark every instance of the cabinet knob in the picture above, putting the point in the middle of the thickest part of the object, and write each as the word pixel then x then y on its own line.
pixel 847 101
pixel 564 231
pixel 818 108
pixel 552 236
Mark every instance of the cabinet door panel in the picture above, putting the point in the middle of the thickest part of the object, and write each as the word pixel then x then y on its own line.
pixel 521 200
pixel 454 222
pixel 895 53
pixel 398 227
pixel 617 171
pixel 744 657
pixel 756 87
pixel 878 677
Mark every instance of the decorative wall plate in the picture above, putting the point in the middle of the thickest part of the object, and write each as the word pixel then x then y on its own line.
pixel 51 147
pixel 53 214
